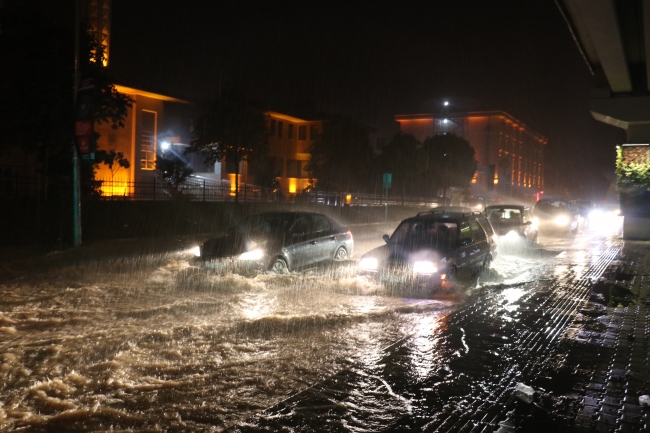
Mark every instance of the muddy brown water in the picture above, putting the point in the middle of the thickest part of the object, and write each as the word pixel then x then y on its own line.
pixel 152 343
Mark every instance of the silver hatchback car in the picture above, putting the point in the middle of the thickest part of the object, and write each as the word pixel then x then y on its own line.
pixel 279 242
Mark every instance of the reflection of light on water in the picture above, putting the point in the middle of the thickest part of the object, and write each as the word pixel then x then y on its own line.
pixel 254 307
pixel 513 294
pixel 366 305
pixel 561 271
pixel 424 341
pixel 582 260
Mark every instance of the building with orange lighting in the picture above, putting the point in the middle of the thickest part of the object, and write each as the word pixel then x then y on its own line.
pixel 510 155
pixel 139 140
pixel 289 142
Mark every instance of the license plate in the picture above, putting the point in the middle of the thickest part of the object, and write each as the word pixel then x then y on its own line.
pixel 393 278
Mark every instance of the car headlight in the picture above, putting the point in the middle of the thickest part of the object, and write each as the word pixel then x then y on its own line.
pixel 562 220
pixel 368 264
pixel 424 268
pixel 512 235
pixel 252 255
pixel 535 222
pixel 595 214
pixel 195 251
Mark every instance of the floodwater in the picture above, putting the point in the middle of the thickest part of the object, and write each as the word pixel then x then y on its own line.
pixel 154 343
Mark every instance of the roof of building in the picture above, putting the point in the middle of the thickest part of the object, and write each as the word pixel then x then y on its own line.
pixel 468 114
pixel 140 92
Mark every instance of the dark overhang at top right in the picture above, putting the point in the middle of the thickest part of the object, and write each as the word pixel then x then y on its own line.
pixel 614 39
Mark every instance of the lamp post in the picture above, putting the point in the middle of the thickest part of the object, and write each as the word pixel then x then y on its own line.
pixel 488 178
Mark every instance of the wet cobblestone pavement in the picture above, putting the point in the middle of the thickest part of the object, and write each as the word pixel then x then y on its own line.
pixel 579 340
pixel 610 347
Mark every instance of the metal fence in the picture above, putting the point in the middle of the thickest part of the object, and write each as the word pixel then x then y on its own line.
pixel 205 190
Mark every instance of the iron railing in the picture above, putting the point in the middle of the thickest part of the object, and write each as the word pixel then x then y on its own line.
pixel 205 190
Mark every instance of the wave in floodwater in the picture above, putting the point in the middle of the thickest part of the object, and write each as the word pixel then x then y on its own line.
pixel 156 344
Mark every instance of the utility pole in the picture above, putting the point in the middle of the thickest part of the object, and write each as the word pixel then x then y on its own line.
pixel 76 203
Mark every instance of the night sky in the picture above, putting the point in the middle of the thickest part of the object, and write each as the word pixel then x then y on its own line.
pixel 373 61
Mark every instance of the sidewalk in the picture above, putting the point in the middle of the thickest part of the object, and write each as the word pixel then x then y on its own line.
pixel 611 348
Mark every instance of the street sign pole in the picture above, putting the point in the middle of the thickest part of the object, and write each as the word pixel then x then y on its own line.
pixel 388 178
pixel 76 203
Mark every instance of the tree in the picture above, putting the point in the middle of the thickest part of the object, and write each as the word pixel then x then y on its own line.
pixel 233 128
pixel 114 160
pixel 37 58
pixel 403 158
pixel 173 169
pixel 449 162
pixel 341 156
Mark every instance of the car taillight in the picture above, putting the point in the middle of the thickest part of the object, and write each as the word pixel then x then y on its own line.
pixel 348 235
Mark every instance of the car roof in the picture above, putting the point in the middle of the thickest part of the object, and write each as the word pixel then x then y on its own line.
pixel 506 206
pixel 551 200
pixel 288 212
pixel 447 213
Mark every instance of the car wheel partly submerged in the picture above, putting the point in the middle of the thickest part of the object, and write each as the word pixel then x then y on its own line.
pixel 486 264
pixel 340 255
pixel 279 266
pixel 452 273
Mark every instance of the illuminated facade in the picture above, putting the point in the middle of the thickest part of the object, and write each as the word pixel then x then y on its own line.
pixel 289 142
pixel 138 141
pixel 509 154
pixel 98 14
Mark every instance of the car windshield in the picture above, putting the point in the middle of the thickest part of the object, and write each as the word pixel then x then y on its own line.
pixel 432 234
pixel 552 206
pixel 265 223
pixel 505 215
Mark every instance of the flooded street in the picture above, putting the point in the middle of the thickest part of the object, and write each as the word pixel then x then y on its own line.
pixel 154 343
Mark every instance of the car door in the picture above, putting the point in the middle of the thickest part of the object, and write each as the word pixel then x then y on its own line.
pixel 480 247
pixel 531 226
pixel 301 248
pixel 463 254
pixel 489 232
pixel 323 237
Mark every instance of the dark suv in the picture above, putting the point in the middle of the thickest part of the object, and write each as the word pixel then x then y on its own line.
pixel 433 246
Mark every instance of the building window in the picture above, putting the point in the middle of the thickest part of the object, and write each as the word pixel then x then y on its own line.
pixel 312 132
pixel 290 130
pixel 272 126
pixel 294 168
pixel 148 140
pixel 302 132
pixel 280 127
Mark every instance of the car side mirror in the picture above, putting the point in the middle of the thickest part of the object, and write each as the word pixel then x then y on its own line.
pixel 527 223
pixel 386 238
